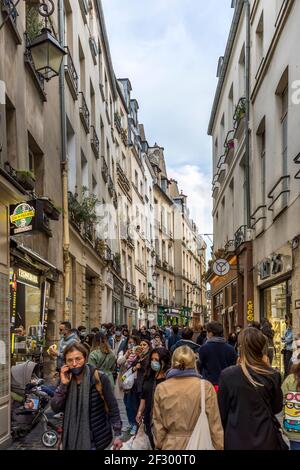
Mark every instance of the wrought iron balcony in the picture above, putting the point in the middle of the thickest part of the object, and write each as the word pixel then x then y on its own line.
pixel 229 147
pixel 71 74
pixel 123 178
pixel 95 143
pixel 118 122
pixel 279 195
pixel 222 168
pixel 230 246
pixel 111 188
pixel 216 188
pixel 84 113
pixel 239 113
pixel 240 236
pixel 104 170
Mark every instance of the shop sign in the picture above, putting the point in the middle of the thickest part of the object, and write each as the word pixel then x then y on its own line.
pixel 28 277
pixel 28 217
pixel 221 267
pixel 13 297
pixel 151 317
pixel 250 311
pixel 271 266
pixel 21 218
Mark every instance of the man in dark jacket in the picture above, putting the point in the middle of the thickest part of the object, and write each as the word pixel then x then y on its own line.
pixel 187 335
pixel 175 336
pixel 215 355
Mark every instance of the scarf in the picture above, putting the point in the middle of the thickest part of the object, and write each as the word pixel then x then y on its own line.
pixel 182 373
pixel 76 434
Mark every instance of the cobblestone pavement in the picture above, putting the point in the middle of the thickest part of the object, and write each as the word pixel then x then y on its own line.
pixel 33 440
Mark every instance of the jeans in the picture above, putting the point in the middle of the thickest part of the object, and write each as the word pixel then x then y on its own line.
pixel 295 445
pixel 286 359
pixel 131 406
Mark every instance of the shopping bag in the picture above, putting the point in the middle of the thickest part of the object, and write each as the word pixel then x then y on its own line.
pixel 127 380
pixel 138 442
pixel 201 437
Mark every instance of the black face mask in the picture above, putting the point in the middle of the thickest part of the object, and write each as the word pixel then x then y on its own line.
pixel 77 370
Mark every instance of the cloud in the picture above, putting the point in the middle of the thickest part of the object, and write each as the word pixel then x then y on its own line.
pixel 169 50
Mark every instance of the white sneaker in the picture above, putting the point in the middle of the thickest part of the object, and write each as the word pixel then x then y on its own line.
pixel 133 430
pixel 58 416
pixel 126 428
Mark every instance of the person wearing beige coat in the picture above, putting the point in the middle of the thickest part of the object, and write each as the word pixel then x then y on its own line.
pixel 177 405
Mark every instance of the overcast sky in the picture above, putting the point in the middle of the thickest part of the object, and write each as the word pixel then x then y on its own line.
pixel 169 50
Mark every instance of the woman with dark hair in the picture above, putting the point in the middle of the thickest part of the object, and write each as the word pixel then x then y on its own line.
pixel 85 396
pixel 250 396
pixel 88 341
pixel 291 395
pixel 159 364
pixel 102 357
pixel 268 331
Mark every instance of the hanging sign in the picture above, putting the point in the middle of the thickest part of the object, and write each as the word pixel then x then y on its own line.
pixel 221 267
pixel 21 218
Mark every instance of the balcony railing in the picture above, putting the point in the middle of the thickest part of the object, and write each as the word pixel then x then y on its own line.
pixel 279 195
pixel 111 188
pixel 230 246
pixel 95 143
pixel 215 190
pixel 229 147
pixel 239 113
pixel 9 8
pixel 104 170
pixel 240 236
pixel 130 288
pixel 222 168
pixel 84 113
pixel 258 219
pixel 123 178
pixel 71 74
pixel 118 122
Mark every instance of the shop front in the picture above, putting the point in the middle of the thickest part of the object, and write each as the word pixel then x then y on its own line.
pixel 169 317
pixel 130 312
pixel 274 281
pixel 185 317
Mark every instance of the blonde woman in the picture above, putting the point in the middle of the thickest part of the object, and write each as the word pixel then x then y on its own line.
pixel 250 396
pixel 177 405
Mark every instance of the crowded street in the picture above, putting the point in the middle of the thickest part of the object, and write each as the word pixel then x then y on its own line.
pixel 149 230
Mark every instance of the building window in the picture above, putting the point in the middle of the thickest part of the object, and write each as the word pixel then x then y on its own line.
pixel 260 41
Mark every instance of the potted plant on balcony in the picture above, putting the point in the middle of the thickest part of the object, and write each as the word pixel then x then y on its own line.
pixel 26 178
pixel 100 246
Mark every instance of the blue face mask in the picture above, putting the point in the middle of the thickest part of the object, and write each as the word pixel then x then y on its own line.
pixel 155 365
pixel 77 370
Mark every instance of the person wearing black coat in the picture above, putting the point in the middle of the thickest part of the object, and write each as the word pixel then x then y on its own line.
pixel 215 355
pixel 91 414
pixel 186 340
pixel 250 396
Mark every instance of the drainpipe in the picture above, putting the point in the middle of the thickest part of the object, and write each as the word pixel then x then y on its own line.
pixel 64 167
pixel 247 136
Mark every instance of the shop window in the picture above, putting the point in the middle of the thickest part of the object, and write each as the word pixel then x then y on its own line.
pixel 276 304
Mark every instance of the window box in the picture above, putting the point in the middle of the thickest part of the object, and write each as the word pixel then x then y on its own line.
pixel 26 179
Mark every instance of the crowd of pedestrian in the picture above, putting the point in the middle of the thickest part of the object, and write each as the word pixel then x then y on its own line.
pixel 157 372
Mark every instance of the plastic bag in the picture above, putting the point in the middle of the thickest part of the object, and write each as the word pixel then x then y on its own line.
pixel 138 442
pixel 127 380
pixel 201 438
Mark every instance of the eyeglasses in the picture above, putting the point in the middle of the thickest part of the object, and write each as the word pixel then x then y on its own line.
pixel 293 396
pixel 76 359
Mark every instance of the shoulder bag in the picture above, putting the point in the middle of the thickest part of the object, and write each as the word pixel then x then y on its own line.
pixel 201 437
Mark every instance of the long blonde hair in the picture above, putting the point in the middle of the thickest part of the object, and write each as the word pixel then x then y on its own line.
pixel 253 346
pixel 183 358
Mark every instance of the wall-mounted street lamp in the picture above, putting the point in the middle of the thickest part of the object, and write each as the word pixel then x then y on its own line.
pixel 47 54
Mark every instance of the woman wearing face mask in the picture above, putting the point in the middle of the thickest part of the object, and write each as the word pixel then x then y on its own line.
pixel 160 363
pixel 125 361
pixel 91 413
